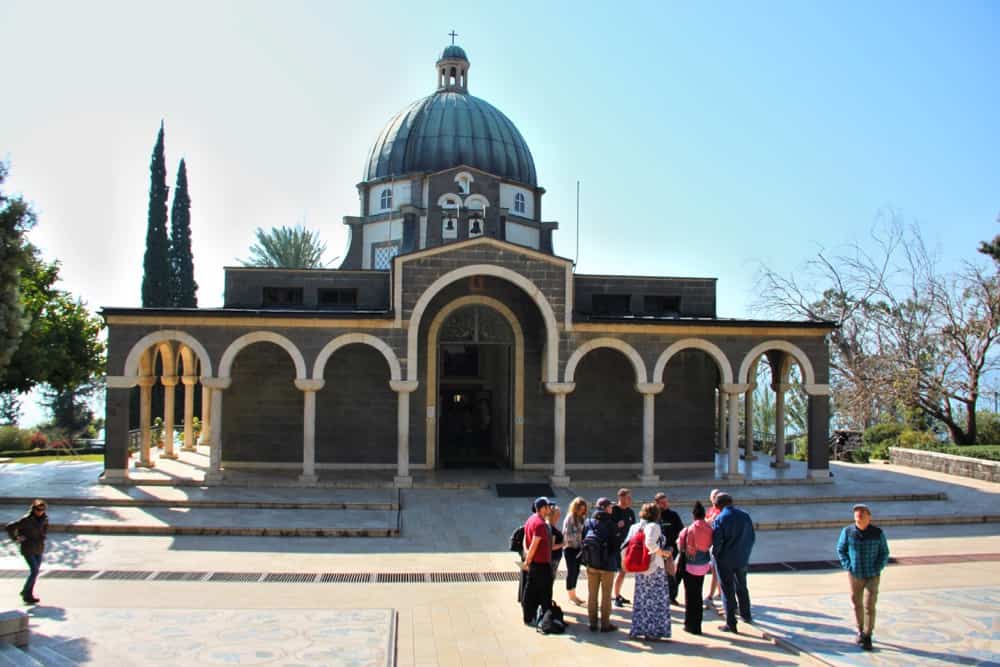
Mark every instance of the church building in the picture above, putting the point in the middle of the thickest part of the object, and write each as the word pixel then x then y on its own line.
pixel 452 336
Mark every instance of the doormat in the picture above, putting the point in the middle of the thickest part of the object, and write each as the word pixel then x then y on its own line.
pixel 525 490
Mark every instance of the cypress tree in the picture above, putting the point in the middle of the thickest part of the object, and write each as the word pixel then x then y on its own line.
pixel 156 264
pixel 183 288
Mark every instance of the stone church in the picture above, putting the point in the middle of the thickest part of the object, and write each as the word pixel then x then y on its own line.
pixel 452 336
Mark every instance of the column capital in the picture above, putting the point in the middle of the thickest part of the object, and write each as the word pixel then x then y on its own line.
pixel 216 383
pixel 309 384
pixel 189 380
pixel 649 387
pixel 145 380
pixel 780 387
pixel 734 388
pixel 818 389
pixel 121 381
pixel 169 380
pixel 560 387
pixel 404 386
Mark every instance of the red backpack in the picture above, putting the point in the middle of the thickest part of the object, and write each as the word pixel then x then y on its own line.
pixel 636 555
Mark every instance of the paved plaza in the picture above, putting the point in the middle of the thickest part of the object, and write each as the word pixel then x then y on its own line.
pixel 216 599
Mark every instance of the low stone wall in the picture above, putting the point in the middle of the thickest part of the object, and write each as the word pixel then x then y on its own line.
pixel 965 466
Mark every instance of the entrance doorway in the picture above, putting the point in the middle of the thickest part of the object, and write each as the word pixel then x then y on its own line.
pixel 474 379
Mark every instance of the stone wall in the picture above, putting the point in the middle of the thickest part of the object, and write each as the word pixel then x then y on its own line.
pixel 963 466
pixel 697 295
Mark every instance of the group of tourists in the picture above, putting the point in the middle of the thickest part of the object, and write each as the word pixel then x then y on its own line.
pixel 656 547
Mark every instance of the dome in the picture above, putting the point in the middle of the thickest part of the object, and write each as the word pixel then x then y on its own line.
pixel 454 52
pixel 448 129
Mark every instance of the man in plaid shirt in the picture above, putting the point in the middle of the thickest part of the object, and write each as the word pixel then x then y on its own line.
pixel 864 553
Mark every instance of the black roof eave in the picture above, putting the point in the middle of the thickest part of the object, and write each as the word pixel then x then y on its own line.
pixel 708 321
pixel 222 313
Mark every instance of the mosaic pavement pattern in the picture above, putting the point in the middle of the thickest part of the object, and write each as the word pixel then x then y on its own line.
pixel 939 627
pixel 285 638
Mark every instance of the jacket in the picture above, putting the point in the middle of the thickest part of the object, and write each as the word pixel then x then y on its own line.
pixel 733 538
pixel 863 553
pixel 601 529
pixel 33 529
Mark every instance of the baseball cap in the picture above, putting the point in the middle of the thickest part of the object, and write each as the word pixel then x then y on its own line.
pixel 602 502
pixel 862 506
pixel 541 501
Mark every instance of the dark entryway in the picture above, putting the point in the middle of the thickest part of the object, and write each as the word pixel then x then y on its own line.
pixel 474 371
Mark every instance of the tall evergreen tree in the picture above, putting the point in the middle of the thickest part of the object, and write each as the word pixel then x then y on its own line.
pixel 156 264
pixel 16 218
pixel 183 288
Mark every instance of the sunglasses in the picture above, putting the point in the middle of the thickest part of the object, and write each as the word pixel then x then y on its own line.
pixel 39 507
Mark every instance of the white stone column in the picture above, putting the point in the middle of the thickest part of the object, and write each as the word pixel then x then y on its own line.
pixel 723 440
pixel 169 383
pixel 189 382
pixel 205 437
pixel 649 390
pixel 403 389
pixel 733 392
pixel 145 383
pixel 217 385
pixel 308 389
pixel 779 425
pixel 748 452
pixel 559 391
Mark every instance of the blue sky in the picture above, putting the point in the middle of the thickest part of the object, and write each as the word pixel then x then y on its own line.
pixel 708 137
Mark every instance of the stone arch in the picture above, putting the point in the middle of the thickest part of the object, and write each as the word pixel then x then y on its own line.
pixel 364 339
pixel 226 364
pixel 450 200
pixel 483 202
pixel 548 315
pixel 614 343
pixel 432 380
pixel 187 359
pixel 808 374
pixel 147 341
pixel 708 347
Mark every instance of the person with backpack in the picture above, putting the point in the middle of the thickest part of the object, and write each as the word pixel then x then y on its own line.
pixel 573 534
pixel 537 563
pixel 645 556
pixel 695 545
pixel 624 517
pixel 599 553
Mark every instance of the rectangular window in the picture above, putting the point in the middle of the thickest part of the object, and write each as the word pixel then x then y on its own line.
pixel 382 254
pixel 661 305
pixel 281 296
pixel 338 298
pixel 611 304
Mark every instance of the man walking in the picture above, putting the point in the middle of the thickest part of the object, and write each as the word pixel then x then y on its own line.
pixel 732 541
pixel 537 562
pixel 623 516
pixel 864 553
pixel 671 526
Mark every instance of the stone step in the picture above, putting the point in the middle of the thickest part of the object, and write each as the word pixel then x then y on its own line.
pixel 11 656
pixel 51 657
pixel 207 504
pixel 745 500
pixel 84 519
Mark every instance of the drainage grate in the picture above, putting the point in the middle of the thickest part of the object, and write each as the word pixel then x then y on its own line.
pixel 501 576
pixel 291 577
pixel 771 567
pixel 180 576
pixel 70 574
pixel 454 577
pixel 125 575
pixel 346 578
pixel 400 577
pixel 815 565
pixel 236 576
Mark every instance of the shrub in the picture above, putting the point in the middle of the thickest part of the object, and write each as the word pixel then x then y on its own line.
pixel 887 433
pixel 860 455
pixel 987 428
pixel 14 439
pixel 918 440
pixel 38 440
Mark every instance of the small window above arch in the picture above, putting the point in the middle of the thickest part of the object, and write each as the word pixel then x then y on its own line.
pixel 464 180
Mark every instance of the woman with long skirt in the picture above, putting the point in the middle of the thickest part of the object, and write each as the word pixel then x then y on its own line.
pixel 651 608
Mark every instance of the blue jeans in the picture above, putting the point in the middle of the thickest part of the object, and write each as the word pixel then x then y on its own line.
pixel 34 563
pixel 733 582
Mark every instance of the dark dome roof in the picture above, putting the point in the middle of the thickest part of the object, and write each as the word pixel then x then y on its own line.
pixel 448 129
pixel 453 51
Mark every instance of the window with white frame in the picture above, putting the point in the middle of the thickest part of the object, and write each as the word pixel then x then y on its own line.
pixel 385 200
pixel 382 254
pixel 519 203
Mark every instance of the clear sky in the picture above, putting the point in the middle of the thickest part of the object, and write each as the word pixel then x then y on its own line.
pixel 708 136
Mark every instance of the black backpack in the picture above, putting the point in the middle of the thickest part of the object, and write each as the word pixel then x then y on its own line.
pixel 550 622
pixel 517 540
pixel 594 552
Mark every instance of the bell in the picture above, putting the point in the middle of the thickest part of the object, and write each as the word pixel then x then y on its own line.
pixel 449 224
pixel 476 226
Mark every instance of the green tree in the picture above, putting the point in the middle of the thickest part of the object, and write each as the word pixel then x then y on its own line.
pixel 287 248
pixel 61 346
pixel 16 218
pixel 992 248
pixel 183 288
pixel 71 414
pixel 156 263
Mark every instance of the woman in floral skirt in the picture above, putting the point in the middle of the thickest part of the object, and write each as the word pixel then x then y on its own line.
pixel 651 609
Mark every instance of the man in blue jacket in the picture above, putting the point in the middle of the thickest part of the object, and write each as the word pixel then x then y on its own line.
pixel 732 541
pixel 864 553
